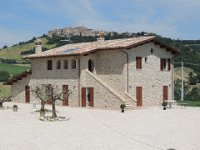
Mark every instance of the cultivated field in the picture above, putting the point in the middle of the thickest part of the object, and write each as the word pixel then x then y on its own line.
pixel 92 129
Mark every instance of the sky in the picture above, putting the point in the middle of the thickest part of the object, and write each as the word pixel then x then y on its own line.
pixel 21 20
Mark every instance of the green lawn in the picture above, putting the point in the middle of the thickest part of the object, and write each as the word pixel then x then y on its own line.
pixel 191 103
pixel 13 69
pixel 5 90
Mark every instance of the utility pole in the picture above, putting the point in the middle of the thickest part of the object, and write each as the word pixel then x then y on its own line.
pixel 182 86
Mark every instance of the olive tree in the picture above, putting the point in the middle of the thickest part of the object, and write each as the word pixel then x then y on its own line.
pixel 46 92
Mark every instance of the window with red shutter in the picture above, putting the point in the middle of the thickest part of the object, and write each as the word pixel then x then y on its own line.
pixel 165 64
pixel 138 62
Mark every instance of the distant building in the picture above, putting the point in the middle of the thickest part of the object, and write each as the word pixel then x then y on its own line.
pixel 104 74
pixel 83 31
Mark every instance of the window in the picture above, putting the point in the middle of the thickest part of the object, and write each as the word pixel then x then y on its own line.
pixel 151 50
pixel 58 64
pixel 65 64
pixel 165 64
pixel 73 64
pixel 49 64
pixel 145 59
pixel 90 65
pixel 138 62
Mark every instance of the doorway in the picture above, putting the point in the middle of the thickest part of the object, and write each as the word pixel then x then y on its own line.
pixel 88 97
pixel 139 96
pixel 165 93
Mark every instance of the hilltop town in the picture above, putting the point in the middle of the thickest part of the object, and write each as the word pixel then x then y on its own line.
pixel 74 31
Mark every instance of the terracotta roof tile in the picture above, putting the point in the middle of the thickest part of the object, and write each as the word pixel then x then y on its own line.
pixel 81 48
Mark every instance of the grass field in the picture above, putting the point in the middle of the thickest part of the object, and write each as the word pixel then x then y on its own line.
pixel 5 90
pixel 191 103
pixel 13 69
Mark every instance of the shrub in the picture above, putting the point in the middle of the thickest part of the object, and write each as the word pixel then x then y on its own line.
pixel 4 75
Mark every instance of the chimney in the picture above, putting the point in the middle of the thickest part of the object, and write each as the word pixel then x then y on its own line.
pixel 100 40
pixel 38 46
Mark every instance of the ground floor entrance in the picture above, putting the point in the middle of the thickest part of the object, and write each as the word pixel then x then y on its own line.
pixel 139 96
pixel 87 96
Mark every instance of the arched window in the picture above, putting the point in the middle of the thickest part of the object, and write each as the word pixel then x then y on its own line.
pixel 58 64
pixel 73 64
pixel 90 65
pixel 65 64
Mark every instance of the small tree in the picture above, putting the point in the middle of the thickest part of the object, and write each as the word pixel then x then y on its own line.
pixel 49 92
pixel 54 94
pixel 5 99
pixel 5 46
pixel 39 92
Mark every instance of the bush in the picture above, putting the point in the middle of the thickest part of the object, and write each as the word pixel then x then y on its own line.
pixel 122 106
pixel 4 75
pixel 5 46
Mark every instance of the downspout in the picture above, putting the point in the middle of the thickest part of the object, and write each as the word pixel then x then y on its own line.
pixel 79 84
pixel 172 78
pixel 127 67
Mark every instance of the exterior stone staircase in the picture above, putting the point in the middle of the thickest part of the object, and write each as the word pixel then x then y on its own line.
pixel 126 98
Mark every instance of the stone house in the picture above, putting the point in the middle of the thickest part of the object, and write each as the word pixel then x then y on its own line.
pixel 104 74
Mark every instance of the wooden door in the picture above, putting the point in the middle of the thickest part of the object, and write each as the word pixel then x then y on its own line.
pixel 27 94
pixel 65 95
pixel 91 91
pixel 83 93
pixel 139 96
pixel 165 93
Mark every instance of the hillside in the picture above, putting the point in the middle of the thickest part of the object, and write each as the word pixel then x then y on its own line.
pixel 14 52
pixel 190 55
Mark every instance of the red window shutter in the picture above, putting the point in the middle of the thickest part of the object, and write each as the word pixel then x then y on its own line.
pixel 138 62
pixel 169 63
pixel 83 97
pixel 65 95
pixel 27 94
pixel 91 97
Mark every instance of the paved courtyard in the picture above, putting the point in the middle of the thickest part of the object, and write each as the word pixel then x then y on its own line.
pixel 91 129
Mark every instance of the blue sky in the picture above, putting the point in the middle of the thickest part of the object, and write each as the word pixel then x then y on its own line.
pixel 20 20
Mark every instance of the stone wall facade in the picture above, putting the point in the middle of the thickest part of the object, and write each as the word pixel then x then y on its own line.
pixel 113 76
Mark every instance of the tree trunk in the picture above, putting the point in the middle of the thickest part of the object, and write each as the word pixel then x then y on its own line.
pixel 53 109
pixel 42 110
pixel 1 104
pixel 42 105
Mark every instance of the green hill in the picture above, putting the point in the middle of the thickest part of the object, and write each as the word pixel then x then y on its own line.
pixel 190 55
pixel 14 52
